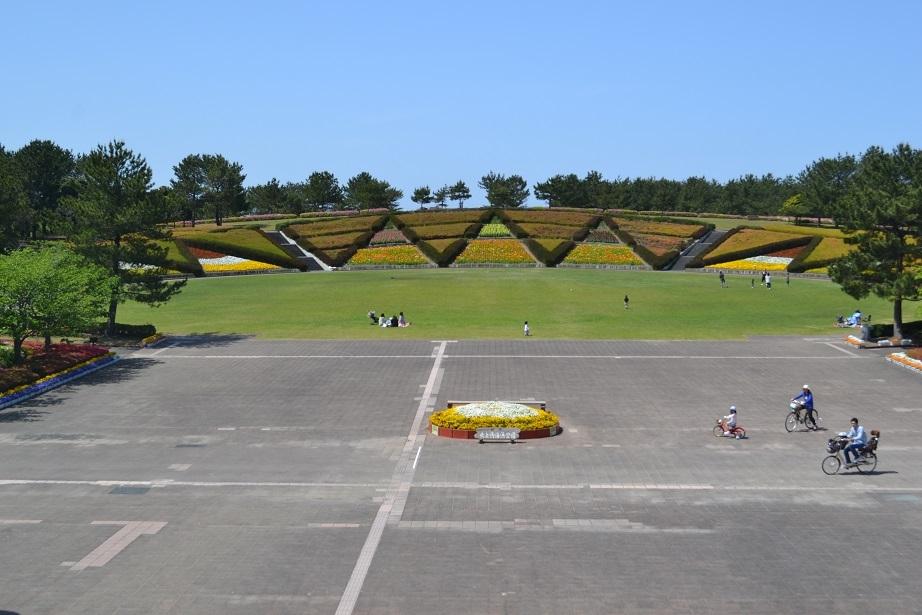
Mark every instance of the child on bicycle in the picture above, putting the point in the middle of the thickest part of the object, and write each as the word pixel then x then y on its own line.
pixel 729 424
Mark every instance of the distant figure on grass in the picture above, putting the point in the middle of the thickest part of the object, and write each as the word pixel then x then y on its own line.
pixel 752 282
pixel 762 280
pixel 626 302
pixel 373 317
pixel 768 280
pixel 723 280
pixel 527 329
pixel 787 278
pixel 382 320
pixel 394 321
pixel 402 321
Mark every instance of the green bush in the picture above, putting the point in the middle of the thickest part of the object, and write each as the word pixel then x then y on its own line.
pixel 6 356
pixel 911 330
pixel 134 332
pixel 549 251
pixel 442 251
pixel 336 257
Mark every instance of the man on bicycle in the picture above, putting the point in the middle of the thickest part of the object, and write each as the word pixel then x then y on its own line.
pixel 807 403
pixel 857 439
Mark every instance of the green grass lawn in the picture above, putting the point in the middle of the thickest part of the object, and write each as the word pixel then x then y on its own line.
pixel 493 303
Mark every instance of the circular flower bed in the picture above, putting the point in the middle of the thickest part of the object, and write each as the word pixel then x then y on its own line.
pixel 463 421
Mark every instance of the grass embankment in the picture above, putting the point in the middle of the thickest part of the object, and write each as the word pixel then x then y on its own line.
pixel 490 303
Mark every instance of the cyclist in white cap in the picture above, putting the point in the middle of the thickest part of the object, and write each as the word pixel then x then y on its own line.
pixel 729 423
pixel 807 396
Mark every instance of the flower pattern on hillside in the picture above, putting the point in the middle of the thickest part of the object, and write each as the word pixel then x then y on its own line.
pixel 389 255
pixel 757 263
pixel 602 254
pixel 501 251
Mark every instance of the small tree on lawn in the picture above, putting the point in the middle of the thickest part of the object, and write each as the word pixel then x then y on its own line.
pixel 50 291
pixel 441 197
pixel 118 225
pixel 883 207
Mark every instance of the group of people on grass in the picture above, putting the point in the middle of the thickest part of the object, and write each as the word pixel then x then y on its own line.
pixel 397 320
pixel 854 320
pixel 857 436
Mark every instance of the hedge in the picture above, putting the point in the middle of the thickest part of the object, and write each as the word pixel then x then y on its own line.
pixel 442 251
pixel 797 265
pixel 442 231
pixel 552 231
pixel 426 218
pixel 242 243
pixel 549 251
pixel 336 257
pixel 179 258
pixel 911 330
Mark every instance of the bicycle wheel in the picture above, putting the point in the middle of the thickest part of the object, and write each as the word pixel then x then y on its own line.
pixel 810 421
pixel 718 431
pixel 869 464
pixel 831 464
pixel 790 422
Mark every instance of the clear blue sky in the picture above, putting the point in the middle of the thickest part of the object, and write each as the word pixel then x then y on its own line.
pixel 430 92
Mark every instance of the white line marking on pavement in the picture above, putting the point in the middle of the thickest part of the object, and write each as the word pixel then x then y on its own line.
pixel 840 349
pixel 19 521
pixel 172 483
pixel 156 352
pixel 180 467
pixel 292 356
pixel 116 543
pixel 394 500
pixel 645 356
pixel 415 461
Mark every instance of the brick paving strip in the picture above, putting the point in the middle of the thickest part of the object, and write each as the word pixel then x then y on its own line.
pixel 392 507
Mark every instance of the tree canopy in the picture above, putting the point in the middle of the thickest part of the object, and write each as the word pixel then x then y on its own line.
pixel 882 204
pixel 504 191
pixel 363 191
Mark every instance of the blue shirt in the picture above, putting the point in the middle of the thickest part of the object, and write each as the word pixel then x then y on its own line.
pixel 808 399
pixel 857 435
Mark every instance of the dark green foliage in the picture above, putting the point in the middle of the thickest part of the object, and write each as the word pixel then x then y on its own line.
pixel 459 192
pixel 422 196
pixel 188 186
pixel 442 251
pixel 504 191
pixel 336 257
pixel 910 330
pixel 549 251
pixel 13 206
pixel 366 192
pixel 134 332
pixel 46 170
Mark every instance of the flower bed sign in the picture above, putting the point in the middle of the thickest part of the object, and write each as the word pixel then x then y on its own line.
pixel 497 434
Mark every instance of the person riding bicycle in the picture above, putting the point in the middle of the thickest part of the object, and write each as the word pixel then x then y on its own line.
pixel 807 403
pixel 857 439
pixel 729 423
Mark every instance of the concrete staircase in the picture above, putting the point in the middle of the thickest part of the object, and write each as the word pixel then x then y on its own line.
pixel 305 259
pixel 699 247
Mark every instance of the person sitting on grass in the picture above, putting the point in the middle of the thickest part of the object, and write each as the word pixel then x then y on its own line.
pixel 373 317
pixel 402 321
pixel 854 320
pixel 394 321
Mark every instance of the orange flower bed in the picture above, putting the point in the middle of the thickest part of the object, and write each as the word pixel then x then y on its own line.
pixel 389 255
pixel 602 254
pixel 503 251
pixel 652 227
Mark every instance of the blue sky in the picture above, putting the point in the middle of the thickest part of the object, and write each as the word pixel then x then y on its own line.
pixel 428 93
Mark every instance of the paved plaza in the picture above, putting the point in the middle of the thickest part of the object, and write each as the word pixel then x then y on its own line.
pixel 227 475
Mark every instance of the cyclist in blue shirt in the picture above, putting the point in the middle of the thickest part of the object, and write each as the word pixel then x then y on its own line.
pixel 807 396
pixel 857 439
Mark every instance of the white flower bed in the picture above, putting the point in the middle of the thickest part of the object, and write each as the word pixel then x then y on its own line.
pixel 771 260
pixel 224 260
pixel 496 408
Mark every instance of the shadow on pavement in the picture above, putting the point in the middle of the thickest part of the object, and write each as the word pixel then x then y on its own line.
pixel 205 340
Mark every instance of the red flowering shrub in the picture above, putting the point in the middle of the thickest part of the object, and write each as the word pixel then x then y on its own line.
pixel 39 363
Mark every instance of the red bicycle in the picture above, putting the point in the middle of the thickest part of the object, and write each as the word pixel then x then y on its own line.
pixel 721 429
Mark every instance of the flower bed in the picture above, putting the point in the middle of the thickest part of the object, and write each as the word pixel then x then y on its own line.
pixel 335 227
pixel 602 254
pixel 495 229
pixel 565 218
pixel 388 236
pixel 659 244
pixel 756 263
pixel 334 242
pixel 424 218
pixel 549 231
pixel 225 263
pixel 750 239
pixel 39 364
pixel 389 255
pixel 443 231
pixel 473 416
pixel 243 243
pixel 654 227
pixel 494 251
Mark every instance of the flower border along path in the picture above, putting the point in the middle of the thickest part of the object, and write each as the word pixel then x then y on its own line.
pixel 52 381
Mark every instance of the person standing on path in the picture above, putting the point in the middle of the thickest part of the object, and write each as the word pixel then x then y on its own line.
pixel 527 329
pixel 626 302
pixel 787 278
pixel 723 280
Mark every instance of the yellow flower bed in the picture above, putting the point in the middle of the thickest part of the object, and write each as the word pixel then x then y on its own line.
pixel 602 254
pixel 494 251
pixel 245 265
pixel 453 419
pixel 748 265
pixel 389 255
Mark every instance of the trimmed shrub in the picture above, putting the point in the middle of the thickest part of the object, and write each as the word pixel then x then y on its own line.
pixel 335 257
pixel 442 251
pixel 549 251
pixel 911 330
pixel 335 242
pixel 179 258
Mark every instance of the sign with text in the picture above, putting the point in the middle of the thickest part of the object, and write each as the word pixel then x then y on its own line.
pixel 497 434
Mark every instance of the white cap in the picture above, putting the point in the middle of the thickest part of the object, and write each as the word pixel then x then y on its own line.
pixel 732 408
pixel 806 386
